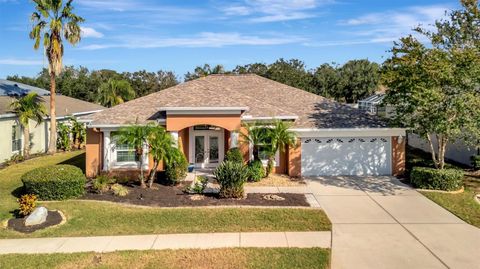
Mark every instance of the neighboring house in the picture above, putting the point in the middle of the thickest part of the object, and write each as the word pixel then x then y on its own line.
pixel 11 136
pixel 374 105
pixel 205 117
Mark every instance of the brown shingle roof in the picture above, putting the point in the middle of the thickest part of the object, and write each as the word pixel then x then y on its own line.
pixel 65 105
pixel 264 97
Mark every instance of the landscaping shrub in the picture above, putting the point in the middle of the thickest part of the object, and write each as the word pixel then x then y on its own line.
pixel 435 179
pixel 256 171
pixel 176 167
pixel 231 176
pixel 102 183
pixel 27 204
pixel 57 182
pixel 476 162
pixel 119 190
pixel 234 155
pixel 16 158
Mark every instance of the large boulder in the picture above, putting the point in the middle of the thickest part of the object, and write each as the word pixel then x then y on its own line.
pixel 38 216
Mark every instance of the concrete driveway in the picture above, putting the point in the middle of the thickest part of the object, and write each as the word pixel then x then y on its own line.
pixel 378 222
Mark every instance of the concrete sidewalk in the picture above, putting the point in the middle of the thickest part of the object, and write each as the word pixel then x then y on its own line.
pixel 165 241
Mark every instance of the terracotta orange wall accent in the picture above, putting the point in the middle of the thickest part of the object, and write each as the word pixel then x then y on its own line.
pixel 227 142
pixel 243 146
pixel 184 141
pixel 179 122
pixel 295 160
pixel 282 166
pixel 398 156
pixel 93 148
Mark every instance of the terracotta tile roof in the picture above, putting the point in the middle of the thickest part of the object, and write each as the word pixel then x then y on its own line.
pixel 65 105
pixel 264 97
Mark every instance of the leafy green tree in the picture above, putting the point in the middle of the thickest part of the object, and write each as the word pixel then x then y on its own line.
pixel 79 132
pixel 292 73
pixel 278 138
pixel 52 21
pixel 326 80
pixel 255 68
pixel 357 79
pixel 161 148
pixel 137 136
pixel 64 141
pixel 144 83
pixel 115 92
pixel 434 87
pixel 28 107
pixel 203 71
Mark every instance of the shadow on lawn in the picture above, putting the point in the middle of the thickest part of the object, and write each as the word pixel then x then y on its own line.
pixel 78 161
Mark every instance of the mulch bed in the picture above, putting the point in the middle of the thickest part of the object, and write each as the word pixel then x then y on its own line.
pixel 18 224
pixel 173 196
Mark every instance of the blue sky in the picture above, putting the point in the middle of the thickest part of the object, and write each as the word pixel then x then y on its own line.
pixel 129 35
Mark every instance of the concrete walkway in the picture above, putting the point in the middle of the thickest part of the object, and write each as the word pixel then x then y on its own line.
pixel 379 222
pixel 165 241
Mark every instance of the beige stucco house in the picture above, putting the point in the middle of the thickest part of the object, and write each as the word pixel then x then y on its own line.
pixel 205 117
pixel 11 134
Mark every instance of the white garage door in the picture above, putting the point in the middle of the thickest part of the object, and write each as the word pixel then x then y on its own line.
pixel 354 156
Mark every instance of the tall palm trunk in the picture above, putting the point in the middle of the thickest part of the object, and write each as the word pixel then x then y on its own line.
pixel 26 141
pixel 153 172
pixel 140 158
pixel 52 146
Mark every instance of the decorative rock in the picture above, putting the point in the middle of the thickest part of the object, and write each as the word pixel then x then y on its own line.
pixel 273 197
pixel 38 216
pixel 477 198
pixel 197 197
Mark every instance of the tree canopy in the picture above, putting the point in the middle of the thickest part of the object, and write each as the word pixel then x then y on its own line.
pixel 435 86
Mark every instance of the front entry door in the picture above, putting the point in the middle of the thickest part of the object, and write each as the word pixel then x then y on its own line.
pixel 208 149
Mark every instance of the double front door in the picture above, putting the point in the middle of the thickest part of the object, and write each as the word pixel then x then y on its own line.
pixel 208 148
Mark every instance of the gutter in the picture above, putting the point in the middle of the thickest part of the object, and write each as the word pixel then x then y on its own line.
pixel 251 118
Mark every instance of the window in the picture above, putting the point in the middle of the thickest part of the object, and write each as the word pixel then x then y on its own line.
pixel 124 152
pixel 16 138
pixel 263 155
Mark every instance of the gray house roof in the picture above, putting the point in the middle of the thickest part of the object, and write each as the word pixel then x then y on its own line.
pixel 263 97
pixel 65 106
pixel 12 88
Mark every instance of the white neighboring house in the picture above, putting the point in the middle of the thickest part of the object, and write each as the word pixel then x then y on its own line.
pixel 458 151
pixel 11 135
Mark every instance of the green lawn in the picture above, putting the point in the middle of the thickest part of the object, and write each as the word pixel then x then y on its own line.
pixel 463 204
pixel 213 258
pixel 89 218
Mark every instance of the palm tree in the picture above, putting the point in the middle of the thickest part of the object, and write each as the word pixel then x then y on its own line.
pixel 161 146
pixel 52 21
pixel 114 92
pixel 78 132
pixel 28 107
pixel 137 137
pixel 278 137
pixel 255 135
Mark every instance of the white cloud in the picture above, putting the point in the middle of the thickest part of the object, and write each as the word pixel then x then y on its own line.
pixel 205 39
pixel 13 61
pixel 391 25
pixel 90 32
pixel 275 10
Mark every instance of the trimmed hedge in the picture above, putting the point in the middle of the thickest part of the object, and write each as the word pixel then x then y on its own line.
pixel 56 182
pixel 435 179
pixel 176 168
pixel 476 162
pixel 256 171
pixel 234 155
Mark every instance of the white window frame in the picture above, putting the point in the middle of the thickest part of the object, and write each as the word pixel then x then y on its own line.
pixel 19 128
pixel 276 162
pixel 114 164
